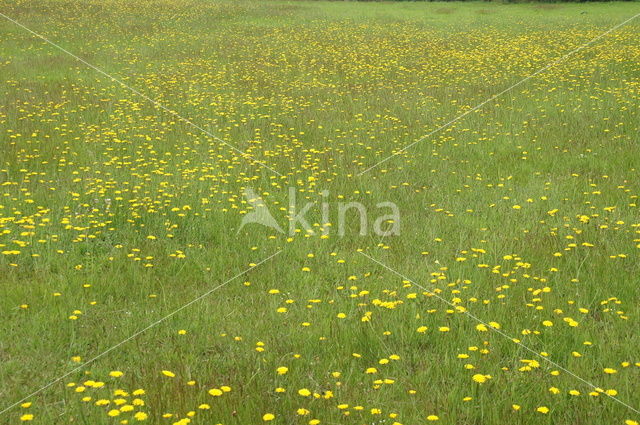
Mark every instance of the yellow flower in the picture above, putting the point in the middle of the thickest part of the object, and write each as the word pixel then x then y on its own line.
pixel 26 417
pixel 168 373
pixel 432 418
pixel 543 409
pixel 141 416
pixel 304 392
pixel 268 417
pixel 215 392
pixel 282 370
pixel 480 379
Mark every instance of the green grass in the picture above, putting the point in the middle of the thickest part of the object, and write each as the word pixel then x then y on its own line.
pixel 319 92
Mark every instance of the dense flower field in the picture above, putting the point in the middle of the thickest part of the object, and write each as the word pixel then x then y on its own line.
pixel 131 289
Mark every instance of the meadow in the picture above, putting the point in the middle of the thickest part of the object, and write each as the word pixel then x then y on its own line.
pixel 131 293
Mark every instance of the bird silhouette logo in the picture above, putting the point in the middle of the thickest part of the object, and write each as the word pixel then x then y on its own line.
pixel 260 213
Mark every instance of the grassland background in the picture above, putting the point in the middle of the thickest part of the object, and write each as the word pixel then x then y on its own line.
pixel 114 213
